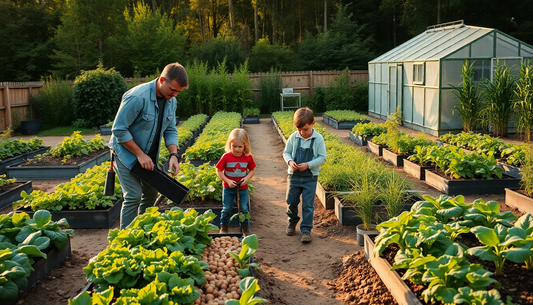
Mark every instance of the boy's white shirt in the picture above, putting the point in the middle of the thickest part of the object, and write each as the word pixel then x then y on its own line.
pixel 319 150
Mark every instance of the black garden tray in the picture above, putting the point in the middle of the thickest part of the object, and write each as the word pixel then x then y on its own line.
pixel 160 181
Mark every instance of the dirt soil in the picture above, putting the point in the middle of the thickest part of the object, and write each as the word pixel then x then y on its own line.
pixel 329 270
pixel 49 160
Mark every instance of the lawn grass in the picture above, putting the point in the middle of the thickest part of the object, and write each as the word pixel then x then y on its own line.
pixel 66 131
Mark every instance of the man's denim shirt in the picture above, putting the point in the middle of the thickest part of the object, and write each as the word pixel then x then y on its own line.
pixel 136 120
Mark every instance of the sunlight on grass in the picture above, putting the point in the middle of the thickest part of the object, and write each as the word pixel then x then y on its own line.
pixel 66 131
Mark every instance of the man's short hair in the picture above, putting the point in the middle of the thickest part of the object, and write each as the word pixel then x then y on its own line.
pixel 177 72
pixel 303 116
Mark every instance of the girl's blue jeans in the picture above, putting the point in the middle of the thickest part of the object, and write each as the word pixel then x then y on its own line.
pixel 229 195
pixel 306 187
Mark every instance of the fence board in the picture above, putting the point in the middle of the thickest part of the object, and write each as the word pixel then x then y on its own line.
pixel 15 96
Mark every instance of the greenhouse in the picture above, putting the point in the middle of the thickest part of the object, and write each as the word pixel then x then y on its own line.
pixel 418 76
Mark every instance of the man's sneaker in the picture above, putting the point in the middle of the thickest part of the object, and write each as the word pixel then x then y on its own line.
pixel 306 237
pixel 291 229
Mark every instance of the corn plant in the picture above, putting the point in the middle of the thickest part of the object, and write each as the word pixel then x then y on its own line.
pixel 498 102
pixel 524 101
pixel 526 181
pixel 468 96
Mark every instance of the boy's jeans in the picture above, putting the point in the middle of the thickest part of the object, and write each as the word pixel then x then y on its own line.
pixel 229 195
pixel 305 186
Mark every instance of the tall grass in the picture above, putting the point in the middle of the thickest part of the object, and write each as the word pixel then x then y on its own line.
pixel 53 106
pixel 468 96
pixel 241 84
pixel 270 89
pixel 526 169
pixel 394 194
pixel 364 195
pixel 524 101
pixel 498 100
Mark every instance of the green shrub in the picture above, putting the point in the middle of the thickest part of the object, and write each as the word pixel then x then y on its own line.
pixel 217 49
pixel 264 57
pixel 97 95
pixel 270 90
pixel 53 105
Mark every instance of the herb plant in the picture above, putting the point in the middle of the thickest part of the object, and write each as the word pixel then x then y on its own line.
pixel 251 112
pixel 369 129
pixel 346 115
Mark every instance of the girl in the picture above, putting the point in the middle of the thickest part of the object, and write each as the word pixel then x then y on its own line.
pixel 235 168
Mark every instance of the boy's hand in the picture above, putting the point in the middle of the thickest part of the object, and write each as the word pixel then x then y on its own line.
pixel 302 166
pixel 293 165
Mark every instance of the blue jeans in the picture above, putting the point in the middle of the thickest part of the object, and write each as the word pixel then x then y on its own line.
pixel 305 186
pixel 229 195
pixel 138 196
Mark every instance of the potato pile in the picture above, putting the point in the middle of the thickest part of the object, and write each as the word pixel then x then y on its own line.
pixel 222 279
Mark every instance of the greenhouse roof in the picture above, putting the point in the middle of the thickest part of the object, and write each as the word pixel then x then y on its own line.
pixel 435 43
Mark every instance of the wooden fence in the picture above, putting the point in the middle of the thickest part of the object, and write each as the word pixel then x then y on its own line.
pixel 15 97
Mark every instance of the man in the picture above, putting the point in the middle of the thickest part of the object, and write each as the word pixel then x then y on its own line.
pixel 146 113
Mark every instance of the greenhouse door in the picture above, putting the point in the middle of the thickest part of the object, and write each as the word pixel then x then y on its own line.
pixel 395 83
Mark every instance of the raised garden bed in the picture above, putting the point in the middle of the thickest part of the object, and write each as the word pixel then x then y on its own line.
pixel 510 170
pixel 21 158
pixel 416 170
pixel 280 133
pixel 347 216
pixel 87 219
pixel 515 198
pixel 327 198
pixel 342 124
pixel 13 194
pixel 202 162
pixel 251 120
pixel 392 158
pixel 55 172
pixel 42 267
pixel 397 287
pixel 470 186
pixel 359 140
pixel 376 149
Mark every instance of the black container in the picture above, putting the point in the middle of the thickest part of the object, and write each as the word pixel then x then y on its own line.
pixel 160 181
pixel 30 127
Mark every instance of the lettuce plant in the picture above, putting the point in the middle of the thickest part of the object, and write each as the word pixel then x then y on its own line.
pixel 249 245
pixel 487 214
pixel 444 208
pixel 12 147
pixel 467 295
pixel 499 242
pixel 248 287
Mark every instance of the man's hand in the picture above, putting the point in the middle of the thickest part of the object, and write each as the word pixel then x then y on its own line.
pixel 173 163
pixel 302 166
pixel 293 165
pixel 146 162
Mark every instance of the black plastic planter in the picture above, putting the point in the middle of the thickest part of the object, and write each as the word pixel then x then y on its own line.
pixel 55 172
pixel 510 170
pixel 359 140
pixel 251 120
pixel 342 124
pixel 392 158
pixel 376 149
pixel 30 127
pixel 470 186
pixel 416 170
pixel 88 219
pixel 7 198
pixel 105 130
pixel 21 158
pixel 42 267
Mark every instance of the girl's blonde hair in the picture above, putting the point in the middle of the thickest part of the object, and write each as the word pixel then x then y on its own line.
pixel 240 135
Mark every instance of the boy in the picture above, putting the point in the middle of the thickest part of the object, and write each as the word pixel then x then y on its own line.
pixel 304 153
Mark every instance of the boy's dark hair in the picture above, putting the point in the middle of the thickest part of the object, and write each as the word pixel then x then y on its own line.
pixel 177 72
pixel 303 116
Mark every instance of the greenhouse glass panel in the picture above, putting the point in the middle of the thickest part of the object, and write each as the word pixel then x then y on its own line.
pixel 408 73
pixel 506 47
pixel 447 119
pixel 407 105
pixel 431 116
pixel 393 83
pixel 481 69
pixel 432 73
pixel 511 63
pixel 526 51
pixel 418 73
pixel 384 100
pixel 483 47
pixel 371 100
pixel 461 53
pixel 451 72
pixel 384 73
pixel 377 73
pixel 418 110
pixel 377 98
pixel 371 73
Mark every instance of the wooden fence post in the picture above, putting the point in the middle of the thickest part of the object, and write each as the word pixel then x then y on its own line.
pixel 311 84
pixel 7 104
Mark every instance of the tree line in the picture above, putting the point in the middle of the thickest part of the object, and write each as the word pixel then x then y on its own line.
pixel 137 37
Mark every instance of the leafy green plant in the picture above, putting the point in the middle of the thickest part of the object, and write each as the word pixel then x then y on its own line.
pixel 249 287
pixel 75 145
pixel 248 248
pixel 185 133
pixel 251 112
pixel 369 129
pixel 487 214
pixel 10 148
pixel 445 208
pixel 467 295
pixel 97 95
pixel 523 106
pixel 346 115
pixel 499 98
pixel 422 154
pixel 201 180
pixel 4 181
pixel 498 243
pixel 514 154
pixel 469 98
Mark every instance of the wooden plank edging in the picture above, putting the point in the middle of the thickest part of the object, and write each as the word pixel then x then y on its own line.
pixel 397 287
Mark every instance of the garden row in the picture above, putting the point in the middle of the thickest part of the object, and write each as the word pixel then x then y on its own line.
pixel 169 258
pixel 358 196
